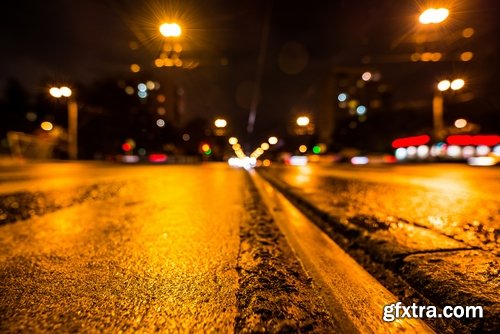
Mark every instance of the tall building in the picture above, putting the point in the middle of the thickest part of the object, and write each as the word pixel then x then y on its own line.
pixel 349 97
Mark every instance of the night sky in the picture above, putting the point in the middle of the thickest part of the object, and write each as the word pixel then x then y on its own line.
pixel 82 41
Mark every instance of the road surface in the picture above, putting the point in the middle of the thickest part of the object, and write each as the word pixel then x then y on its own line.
pixel 454 199
pixel 88 247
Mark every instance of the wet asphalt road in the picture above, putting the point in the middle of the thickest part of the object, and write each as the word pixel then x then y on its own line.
pixel 148 248
pixel 90 247
pixel 456 200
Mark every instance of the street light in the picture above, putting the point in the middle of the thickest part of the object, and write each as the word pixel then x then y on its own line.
pixel 220 123
pixel 66 92
pixel 438 101
pixel 434 15
pixel 272 140
pixel 302 121
pixel 170 30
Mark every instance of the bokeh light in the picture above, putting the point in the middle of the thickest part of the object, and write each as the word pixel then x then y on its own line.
pixel 135 68
pixel 272 140
pixel 460 123
pixel 47 126
pixel 303 121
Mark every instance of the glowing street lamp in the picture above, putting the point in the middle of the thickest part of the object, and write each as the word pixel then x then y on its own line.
pixel 220 123
pixel 272 140
pixel 64 91
pixel 434 15
pixel 438 101
pixel 460 123
pixel 170 29
pixel 47 126
pixel 302 121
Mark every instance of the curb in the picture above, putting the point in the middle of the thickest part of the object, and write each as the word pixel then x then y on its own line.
pixel 442 270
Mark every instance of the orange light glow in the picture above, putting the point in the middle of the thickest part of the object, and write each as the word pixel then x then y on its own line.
pixel 47 126
pixel 170 30
pixel 135 68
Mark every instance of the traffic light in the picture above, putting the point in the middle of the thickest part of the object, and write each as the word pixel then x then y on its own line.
pixel 126 147
pixel 205 149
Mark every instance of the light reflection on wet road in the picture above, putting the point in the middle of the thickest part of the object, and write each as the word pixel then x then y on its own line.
pixel 133 260
pixel 456 200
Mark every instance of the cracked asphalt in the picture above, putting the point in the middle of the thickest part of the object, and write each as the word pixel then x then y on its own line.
pixel 104 248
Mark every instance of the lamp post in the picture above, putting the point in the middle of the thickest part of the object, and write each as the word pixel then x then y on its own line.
pixel 438 104
pixel 59 92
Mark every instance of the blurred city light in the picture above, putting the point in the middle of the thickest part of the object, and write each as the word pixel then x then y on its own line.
pixel 316 149
pixel 411 151
pixel 411 141
pixel 483 150
pixel 158 157
pixel 55 92
pixel 361 110
pixel 454 151
pixel 302 148
pixel 366 76
pixel 444 85
pixel 298 160
pixel 220 123
pixel 242 162
pixel 468 32
pixel 160 123
pixel 481 161
pixel 468 151
pixel 130 159
pixel 457 84
pixel 400 153
pixel 126 147
pixel 272 140
pixel 342 97
pixel 135 68
pixel 423 151
pixel 302 121
pixel 233 140
pixel 434 15
pixel 47 126
pixel 129 90
pixel 170 30
pixel 359 160
pixel 464 140
pixel 466 56
pixel 460 123
pixel 206 149
pixel 65 91
pixel 264 146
